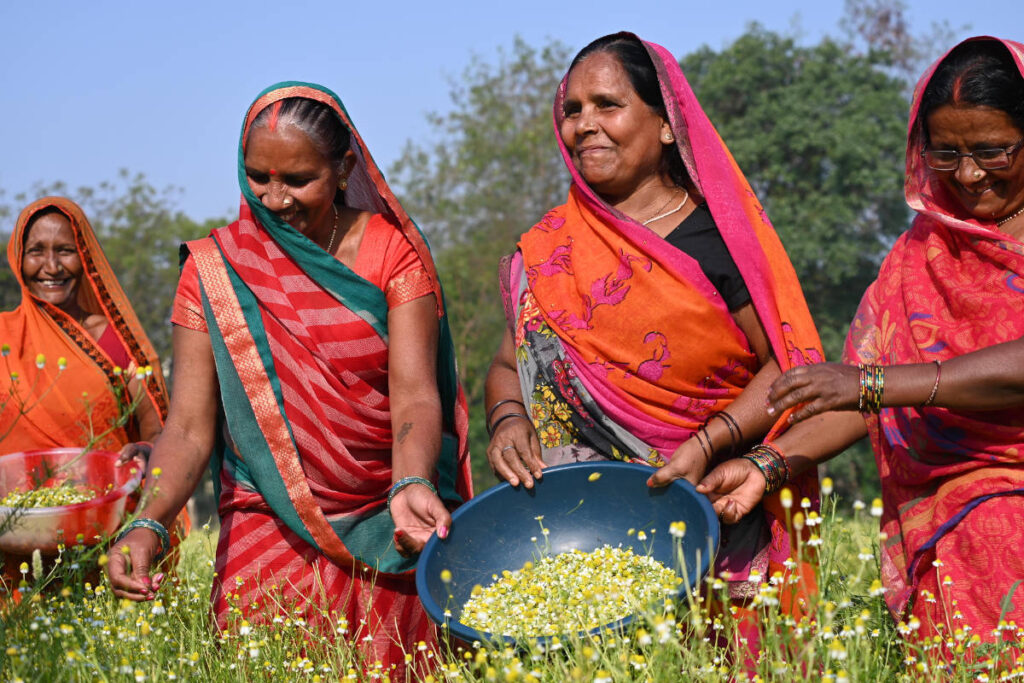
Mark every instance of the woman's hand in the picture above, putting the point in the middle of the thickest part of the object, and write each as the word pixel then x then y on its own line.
pixel 129 571
pixel 139 450
pixel 514 452
pixel 688 462
pixel 734 488
pixel 418 513
pixel 821 388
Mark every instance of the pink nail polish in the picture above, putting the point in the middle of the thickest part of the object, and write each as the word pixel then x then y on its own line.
pixel 442 532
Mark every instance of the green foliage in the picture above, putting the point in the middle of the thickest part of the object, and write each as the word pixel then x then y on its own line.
pixel 140 231
pixel 820 133
pixel 491 173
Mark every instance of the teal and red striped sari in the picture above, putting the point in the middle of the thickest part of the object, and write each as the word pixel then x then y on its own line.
pixel 301 348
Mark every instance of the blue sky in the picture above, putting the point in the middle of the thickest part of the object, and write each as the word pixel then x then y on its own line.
pixel 160 87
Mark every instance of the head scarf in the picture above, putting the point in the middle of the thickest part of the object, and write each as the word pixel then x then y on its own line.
pixel 64 401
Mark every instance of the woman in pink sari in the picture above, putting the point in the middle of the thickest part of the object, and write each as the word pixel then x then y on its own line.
pixel 937 338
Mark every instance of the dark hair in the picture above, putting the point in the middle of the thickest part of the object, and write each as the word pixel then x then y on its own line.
pixel 317 120
pixel 979 73
pixel 45 211
pixel 637 64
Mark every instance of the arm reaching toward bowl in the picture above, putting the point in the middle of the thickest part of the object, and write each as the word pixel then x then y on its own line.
pixel 178 459
pixel 736 486
pixel 416 423
pixel 744 421
pixel 514 450
pixel 988 379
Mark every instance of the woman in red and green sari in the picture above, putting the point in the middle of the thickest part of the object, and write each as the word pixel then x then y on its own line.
pixel 312 355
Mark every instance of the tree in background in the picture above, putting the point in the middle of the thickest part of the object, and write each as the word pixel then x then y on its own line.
pixel 492 172
pixel 140 232
pixel 819 130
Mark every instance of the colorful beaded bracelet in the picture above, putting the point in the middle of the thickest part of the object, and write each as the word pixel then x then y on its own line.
pixel 872 388
pixel 772 463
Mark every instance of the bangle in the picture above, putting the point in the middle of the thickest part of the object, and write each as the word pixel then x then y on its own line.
pixel 696 435
pixel 935 387
pixel 409 481
pixel 490 413
pixel 735 433
pixel 156 527
pixel 872 388
pixel 494 427
pixel 772 463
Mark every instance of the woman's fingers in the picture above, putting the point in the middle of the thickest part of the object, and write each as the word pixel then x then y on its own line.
pixel 129 571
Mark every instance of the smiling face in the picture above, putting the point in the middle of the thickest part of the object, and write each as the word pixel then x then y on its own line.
pixel 614 138
pixel 985 194
pixel 293 178
pixel 50 265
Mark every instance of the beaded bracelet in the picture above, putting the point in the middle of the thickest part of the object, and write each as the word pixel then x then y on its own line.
pixel 492 428
pixel 872 387
pixel 156 527
pixel 772 463
pixel 935 387
pixel 409 481
pixel 490 413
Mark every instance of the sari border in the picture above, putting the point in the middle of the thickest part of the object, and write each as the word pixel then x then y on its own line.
pixel 257 385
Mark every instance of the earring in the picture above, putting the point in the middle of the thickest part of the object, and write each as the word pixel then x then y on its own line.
pixel 668 137
pixel 343 184
pixel 977 173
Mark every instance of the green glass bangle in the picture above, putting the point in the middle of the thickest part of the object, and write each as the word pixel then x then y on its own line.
pixel 408 481
pixel 156 527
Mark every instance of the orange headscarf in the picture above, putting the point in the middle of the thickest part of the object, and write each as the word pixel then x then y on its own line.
pixel 44 407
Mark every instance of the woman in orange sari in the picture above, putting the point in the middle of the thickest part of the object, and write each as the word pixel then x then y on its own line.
pixel 75 358
pixel 938 342
pixel 73 307
pixel 648 315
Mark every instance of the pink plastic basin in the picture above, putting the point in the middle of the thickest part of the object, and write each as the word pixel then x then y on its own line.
pixel 45 528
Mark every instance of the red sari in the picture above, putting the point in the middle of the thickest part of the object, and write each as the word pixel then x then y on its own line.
pixel 952 481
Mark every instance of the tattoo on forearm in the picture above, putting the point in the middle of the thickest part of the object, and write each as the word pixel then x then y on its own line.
pixel 404 432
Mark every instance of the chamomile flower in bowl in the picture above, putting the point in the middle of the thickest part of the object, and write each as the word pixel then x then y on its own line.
pixel 580 552
pixel 59 495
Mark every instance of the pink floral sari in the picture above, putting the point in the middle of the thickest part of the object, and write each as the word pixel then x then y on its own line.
pixel 953 482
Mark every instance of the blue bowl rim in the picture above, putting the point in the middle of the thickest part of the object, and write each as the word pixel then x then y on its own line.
pixel 469 634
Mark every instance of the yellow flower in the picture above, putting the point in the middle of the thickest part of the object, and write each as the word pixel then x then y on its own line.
pixel 446 576
pixel 40 361
pixel 594 476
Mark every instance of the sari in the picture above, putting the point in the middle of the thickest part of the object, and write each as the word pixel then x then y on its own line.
pixel 952 481
pixel 50 407
pixel 606 374
pixel 300 342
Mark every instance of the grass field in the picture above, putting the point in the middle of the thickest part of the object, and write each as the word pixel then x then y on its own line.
pixel 68 628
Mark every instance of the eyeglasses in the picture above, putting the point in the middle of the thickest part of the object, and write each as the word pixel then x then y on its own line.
pixel 988 159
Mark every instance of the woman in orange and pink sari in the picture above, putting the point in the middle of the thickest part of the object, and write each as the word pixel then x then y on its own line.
pixel 938 338
pixel 648 315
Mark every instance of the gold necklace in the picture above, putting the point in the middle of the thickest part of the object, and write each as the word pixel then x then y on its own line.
pixel 334 232
pixel 669 213
pixel 1009 218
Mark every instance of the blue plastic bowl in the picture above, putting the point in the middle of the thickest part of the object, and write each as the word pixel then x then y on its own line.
pixel 495 531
